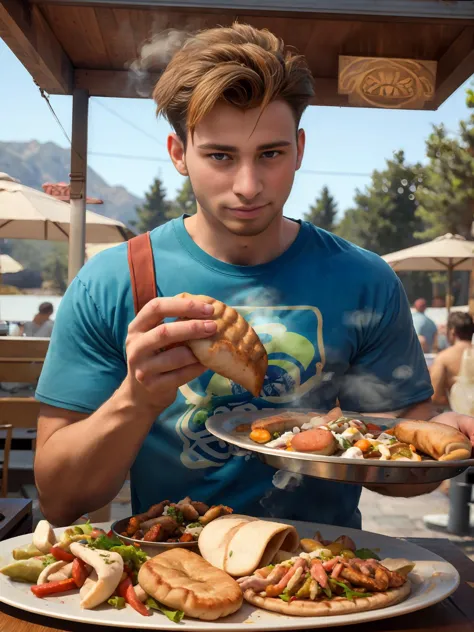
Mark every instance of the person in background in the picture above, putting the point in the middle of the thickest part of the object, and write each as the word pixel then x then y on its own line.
pixel 41 326
pixel 425 328
pixel 447 363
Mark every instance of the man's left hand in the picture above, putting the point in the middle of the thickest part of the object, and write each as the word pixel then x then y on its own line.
pixel 464 423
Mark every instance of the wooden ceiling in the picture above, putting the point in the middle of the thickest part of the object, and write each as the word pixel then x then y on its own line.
pixel 92 44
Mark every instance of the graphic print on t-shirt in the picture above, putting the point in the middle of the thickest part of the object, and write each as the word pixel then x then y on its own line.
pixel 293 338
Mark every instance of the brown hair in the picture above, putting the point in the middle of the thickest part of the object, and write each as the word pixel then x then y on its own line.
pixel 240 65
pixel 462 324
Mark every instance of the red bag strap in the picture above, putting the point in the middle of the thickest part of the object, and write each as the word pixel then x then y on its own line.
pixel 142 270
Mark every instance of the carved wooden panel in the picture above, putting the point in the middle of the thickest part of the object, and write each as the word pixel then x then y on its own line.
pixel 384 82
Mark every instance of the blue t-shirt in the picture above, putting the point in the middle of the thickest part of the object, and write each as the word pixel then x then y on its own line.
pixel 424 326
pixel 336 325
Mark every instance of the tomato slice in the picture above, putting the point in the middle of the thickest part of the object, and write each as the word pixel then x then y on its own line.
pixel 53 587
pixel 61 554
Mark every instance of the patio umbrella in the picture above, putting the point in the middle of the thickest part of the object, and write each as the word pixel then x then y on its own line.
pixel 8 265
pixel 94 249
pixel 27 213
pixel 447 253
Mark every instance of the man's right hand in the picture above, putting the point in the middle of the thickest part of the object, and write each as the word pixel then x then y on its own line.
pixel 155 371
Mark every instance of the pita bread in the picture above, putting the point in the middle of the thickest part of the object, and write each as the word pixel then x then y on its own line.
pixel 442 442
pixel 182 580
pixel 240 544
pixel 329 607
pixel 235 351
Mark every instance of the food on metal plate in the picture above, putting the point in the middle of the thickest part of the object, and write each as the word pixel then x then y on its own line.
pixel 173 522
pixel 235 351
pixel 328 578
pixel 240 544
pixel 440 441
pixel 182 580
pixel 334 434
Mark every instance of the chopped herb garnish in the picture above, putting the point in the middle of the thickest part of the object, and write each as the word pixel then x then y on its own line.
pixel 231 553
pixel 176 514
pixel 48 560
pixel 276 435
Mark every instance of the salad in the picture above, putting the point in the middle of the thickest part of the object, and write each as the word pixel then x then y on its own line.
pixel 89 561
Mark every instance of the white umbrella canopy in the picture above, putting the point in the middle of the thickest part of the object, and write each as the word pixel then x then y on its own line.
pixel 448 253
pixel 27 213
pixel 94 249
pixel 8 265
pixel 442 254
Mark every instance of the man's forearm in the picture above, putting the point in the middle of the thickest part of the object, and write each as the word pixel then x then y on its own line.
pixel 82 466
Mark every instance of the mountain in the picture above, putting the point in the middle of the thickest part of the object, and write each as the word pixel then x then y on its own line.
pixel 35 163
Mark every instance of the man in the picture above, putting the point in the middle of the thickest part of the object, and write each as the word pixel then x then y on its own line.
pixel 41 326
pixel 334 318
pixel 447 364
pixel 424 326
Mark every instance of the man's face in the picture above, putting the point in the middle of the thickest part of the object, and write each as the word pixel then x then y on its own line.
pixel 241 167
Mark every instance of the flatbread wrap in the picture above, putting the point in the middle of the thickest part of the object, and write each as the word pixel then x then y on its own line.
pixel 239 545
pixel 310 586
pixel 442 442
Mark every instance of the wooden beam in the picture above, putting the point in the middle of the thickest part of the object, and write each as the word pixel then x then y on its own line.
pixel 424 9
pixel 31 39
pixel 122 83
pixel 455 66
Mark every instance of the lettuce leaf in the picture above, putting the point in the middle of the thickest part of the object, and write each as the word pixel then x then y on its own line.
pixel 132 555
pixel 105 543
pixel 348 592
pixel 173 615
pixel 366 554
pixel 117 602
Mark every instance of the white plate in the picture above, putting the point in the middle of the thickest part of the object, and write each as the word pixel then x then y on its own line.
pixel 433 580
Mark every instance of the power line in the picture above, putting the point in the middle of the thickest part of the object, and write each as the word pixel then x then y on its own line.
pixel 129 123
pixel 167 160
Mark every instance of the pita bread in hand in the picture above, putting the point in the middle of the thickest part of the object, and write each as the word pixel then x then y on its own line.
pixel 182 580
pixel 235 351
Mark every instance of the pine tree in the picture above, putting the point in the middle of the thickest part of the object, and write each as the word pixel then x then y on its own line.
pixel 447 196
pixel 324 211
pixel 384 217
pixel 155 211
pixel 185 202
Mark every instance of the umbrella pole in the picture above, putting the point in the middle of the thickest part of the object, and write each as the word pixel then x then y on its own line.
pixel 450 285
pixel 77 241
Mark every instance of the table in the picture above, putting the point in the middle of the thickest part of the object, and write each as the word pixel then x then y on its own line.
pixel 454 614
pixel 18 518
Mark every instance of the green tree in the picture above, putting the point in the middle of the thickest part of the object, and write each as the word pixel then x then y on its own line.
pixel 384 217
pixel 446 199
pixel 185 202
pixel 155 211
pixel 55 267
pixel 324 211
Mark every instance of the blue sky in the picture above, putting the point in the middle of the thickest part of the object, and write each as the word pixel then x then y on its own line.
pixel 346 140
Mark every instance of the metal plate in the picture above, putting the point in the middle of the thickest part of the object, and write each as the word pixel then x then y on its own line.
pixel 334 468
pixel 150 548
